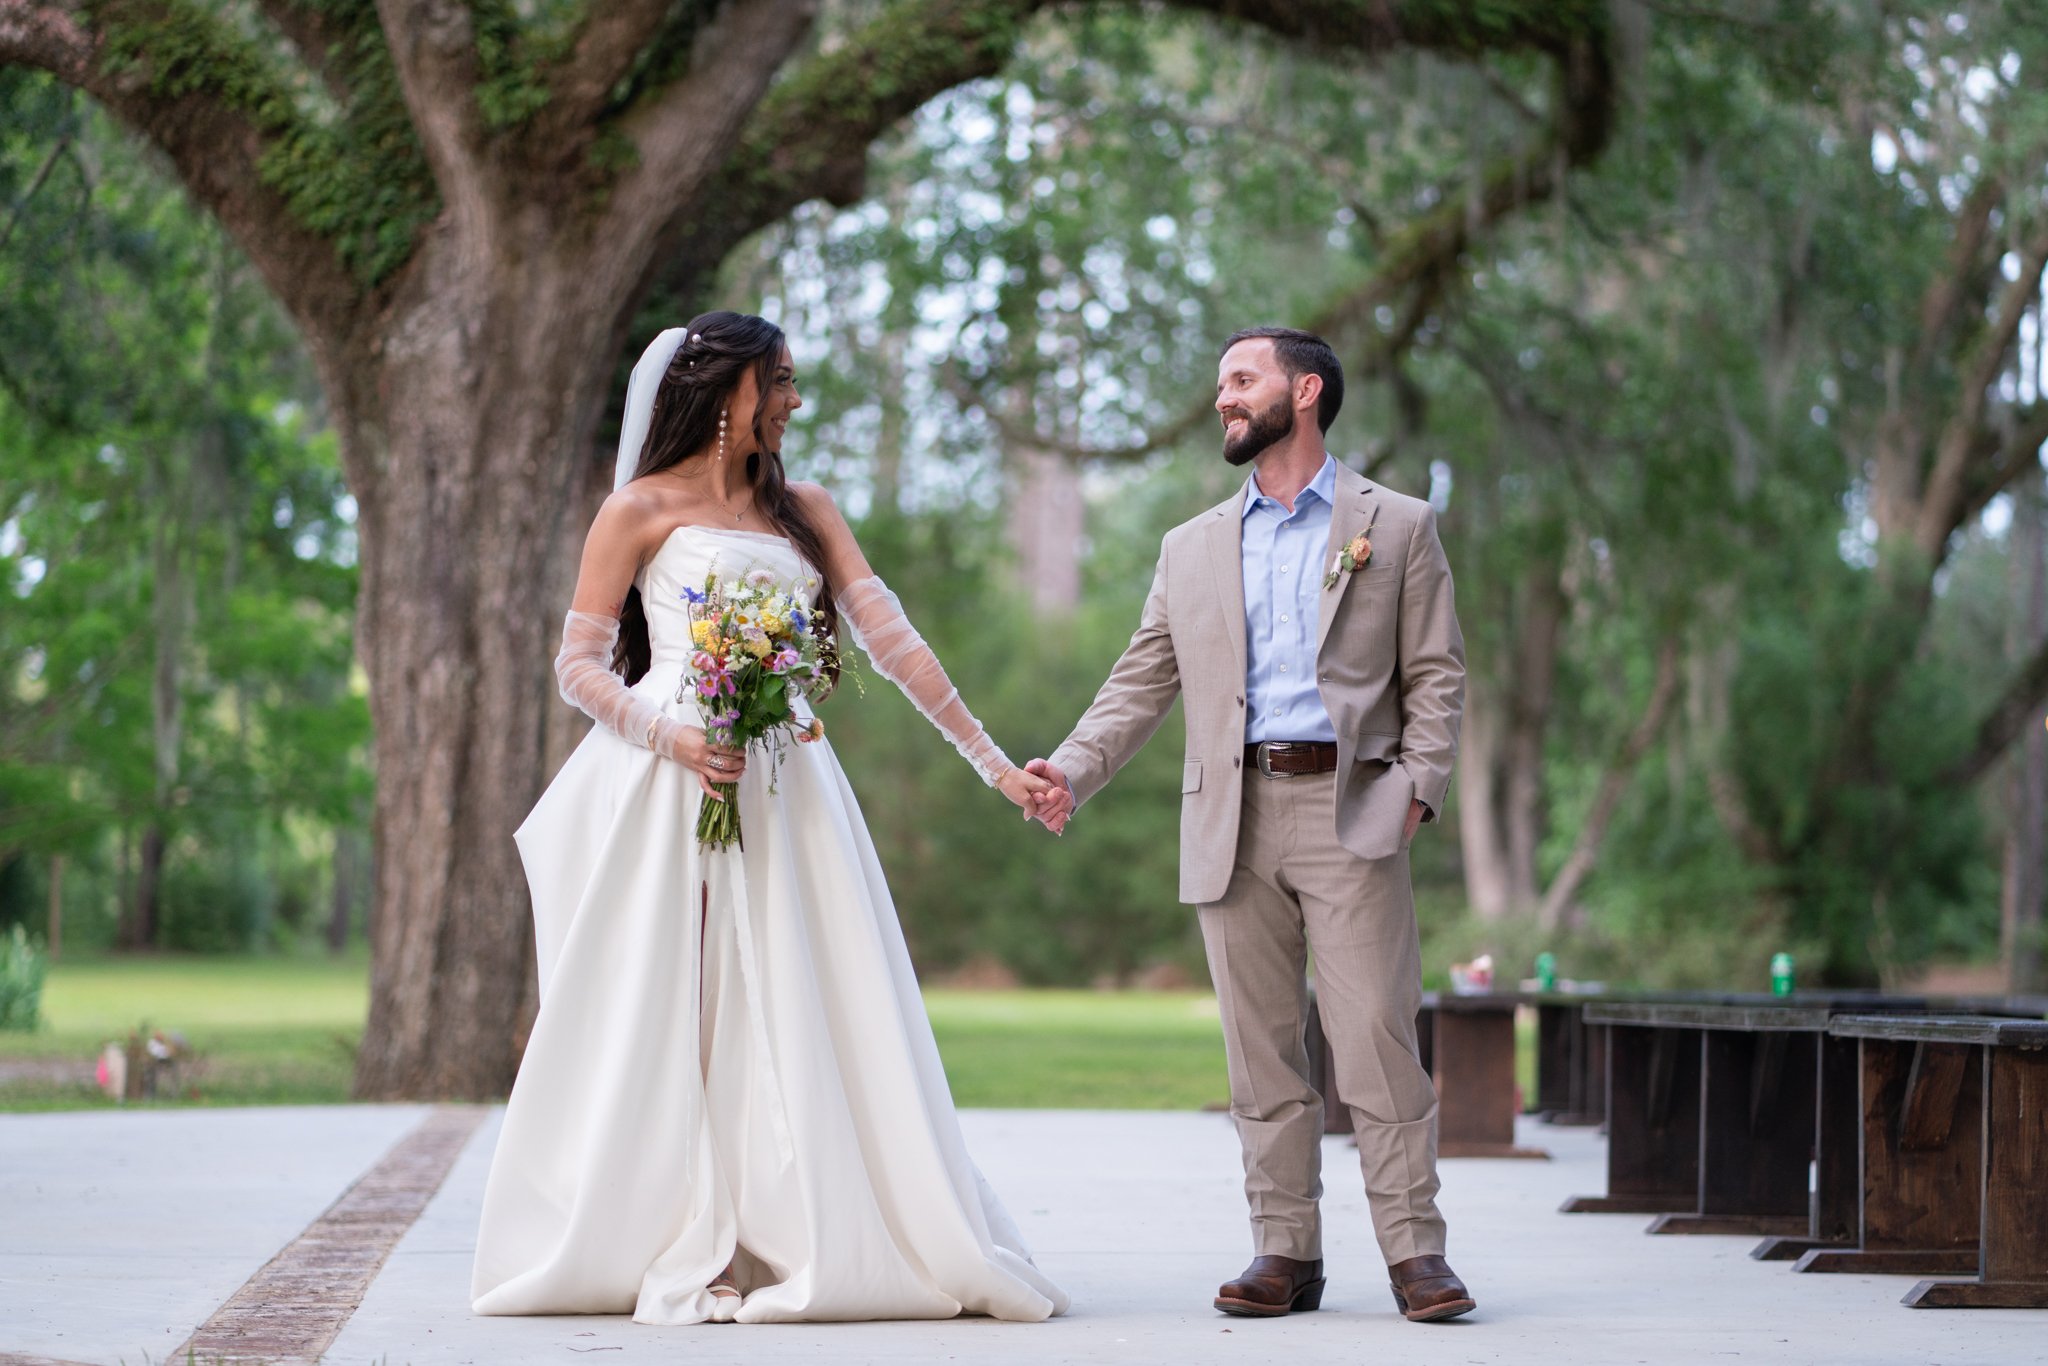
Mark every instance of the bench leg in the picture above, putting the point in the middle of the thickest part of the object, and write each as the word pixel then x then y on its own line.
pixel 2012 1269
pixel 1921 1146
pixel 2016 1167
pixel 1475 1085
pixel 1735 1225
pixel 1653 1124
pixel 1924 1261
pixel 1756 1135
pixel 1977 1295
pixel 1790 1249
pixel 1837 1181
pixel 1559 1037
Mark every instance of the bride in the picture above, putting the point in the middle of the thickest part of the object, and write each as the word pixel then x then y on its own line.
pixel 731 1107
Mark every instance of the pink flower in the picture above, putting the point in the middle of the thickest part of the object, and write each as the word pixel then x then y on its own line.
pixel 713 680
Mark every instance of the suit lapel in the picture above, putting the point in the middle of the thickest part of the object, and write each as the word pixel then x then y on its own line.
pixel 1352 512
pixel 1226 562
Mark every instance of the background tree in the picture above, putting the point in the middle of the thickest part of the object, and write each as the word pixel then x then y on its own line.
pixel 179 723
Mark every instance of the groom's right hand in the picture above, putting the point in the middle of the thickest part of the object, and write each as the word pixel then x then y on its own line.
pixel 1056 803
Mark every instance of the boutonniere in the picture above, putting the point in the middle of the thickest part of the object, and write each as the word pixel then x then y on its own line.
pixel 1356 555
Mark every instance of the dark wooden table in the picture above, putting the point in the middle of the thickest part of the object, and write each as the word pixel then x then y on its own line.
pixel 1467 1044
pixel 1711 1115
pixel 1953 1158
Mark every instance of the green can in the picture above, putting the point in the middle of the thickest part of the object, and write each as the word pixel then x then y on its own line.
pixel 1546 972
pixel 1781 974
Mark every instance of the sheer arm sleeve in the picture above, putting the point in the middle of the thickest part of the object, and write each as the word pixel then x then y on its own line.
pixel 875 618
pixel 583 671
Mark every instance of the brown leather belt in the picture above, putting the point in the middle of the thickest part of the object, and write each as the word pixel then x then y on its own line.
pixel 1291 758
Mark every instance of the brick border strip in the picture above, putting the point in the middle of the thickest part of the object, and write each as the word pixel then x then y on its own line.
pixel 291 1310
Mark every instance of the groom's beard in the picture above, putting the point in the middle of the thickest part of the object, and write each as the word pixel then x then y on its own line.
pixel 1260 431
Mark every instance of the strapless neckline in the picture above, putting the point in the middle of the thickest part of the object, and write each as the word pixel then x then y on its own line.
pixel 724 531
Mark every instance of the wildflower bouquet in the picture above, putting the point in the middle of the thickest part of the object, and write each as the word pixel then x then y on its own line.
pixel 756 652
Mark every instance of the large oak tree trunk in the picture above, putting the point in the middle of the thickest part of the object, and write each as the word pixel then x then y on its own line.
pixel 453 435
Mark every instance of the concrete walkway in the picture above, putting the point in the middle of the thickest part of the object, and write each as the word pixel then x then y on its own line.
pixel 120 1232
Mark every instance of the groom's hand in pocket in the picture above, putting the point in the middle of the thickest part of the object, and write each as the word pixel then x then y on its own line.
pixel 1056 803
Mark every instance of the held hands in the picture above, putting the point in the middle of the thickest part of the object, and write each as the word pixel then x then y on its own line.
pixel 711 763
pixel 1054 802
pixel 1023 789
pixel 1416 811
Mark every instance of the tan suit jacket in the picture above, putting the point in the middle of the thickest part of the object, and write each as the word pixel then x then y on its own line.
pixel 1390 664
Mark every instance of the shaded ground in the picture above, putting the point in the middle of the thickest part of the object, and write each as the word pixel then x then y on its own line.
pixel 127 1230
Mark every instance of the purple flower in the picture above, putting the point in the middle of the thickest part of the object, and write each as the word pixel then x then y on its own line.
pixel 693 595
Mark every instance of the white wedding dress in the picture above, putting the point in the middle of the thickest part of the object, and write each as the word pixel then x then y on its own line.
pixel 775 1101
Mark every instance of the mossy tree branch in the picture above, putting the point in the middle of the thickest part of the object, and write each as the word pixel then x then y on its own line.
pixel 216 105
pixel 325 34
pixel 609 43
pixel 1420 263
pixel 434 50
pixel 681 135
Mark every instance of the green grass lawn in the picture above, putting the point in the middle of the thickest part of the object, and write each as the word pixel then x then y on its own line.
pixel 274 1031
pixel 265 1031
pixel 283 1031
pixel 1126 1050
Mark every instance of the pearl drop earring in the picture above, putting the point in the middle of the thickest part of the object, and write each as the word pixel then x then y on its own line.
pixel 721 435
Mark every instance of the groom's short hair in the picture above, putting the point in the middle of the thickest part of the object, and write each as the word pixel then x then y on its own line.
pixel 1301 353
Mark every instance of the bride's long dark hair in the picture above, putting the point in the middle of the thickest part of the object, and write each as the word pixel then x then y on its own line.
pixel 696 387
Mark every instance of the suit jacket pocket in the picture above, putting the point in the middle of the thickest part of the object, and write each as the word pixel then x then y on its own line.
pixel 1191 776
pixel 1377 747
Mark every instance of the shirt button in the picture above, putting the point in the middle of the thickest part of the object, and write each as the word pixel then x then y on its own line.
pixel 1283 668
pixel 1285 617
pixel 1283 569
pixel 1276 711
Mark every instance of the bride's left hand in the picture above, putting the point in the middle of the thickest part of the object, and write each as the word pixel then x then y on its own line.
pixel 1019 787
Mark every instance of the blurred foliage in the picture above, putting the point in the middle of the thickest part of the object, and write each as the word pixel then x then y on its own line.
pixel 23 966
pixel 176 557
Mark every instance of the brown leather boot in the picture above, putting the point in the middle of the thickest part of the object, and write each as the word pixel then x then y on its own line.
pixel 1425 1288
pixel 1272 1286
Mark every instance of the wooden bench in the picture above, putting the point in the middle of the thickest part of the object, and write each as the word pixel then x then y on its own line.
pixel 1711 1115
pixel 1571 1061
pixel 1467 1045
pixel 1952 1130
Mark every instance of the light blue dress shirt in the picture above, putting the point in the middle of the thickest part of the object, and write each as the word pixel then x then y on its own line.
pixel 1283 557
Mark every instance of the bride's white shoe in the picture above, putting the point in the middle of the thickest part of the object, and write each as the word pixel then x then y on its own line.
pixel 725 1297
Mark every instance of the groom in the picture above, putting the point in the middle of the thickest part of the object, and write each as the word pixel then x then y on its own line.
pixel 1308 622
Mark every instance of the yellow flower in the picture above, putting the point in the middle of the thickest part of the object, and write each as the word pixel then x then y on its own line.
pixel 700 634
pixel 759 646
pixel 774 624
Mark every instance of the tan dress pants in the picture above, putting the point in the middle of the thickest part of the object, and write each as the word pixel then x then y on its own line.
pixel 1294 892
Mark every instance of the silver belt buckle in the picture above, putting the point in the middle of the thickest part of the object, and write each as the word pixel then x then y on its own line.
pixel 1266 759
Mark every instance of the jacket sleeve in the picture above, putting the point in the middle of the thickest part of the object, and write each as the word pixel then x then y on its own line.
pixel 1131 703
pixel 1431 663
